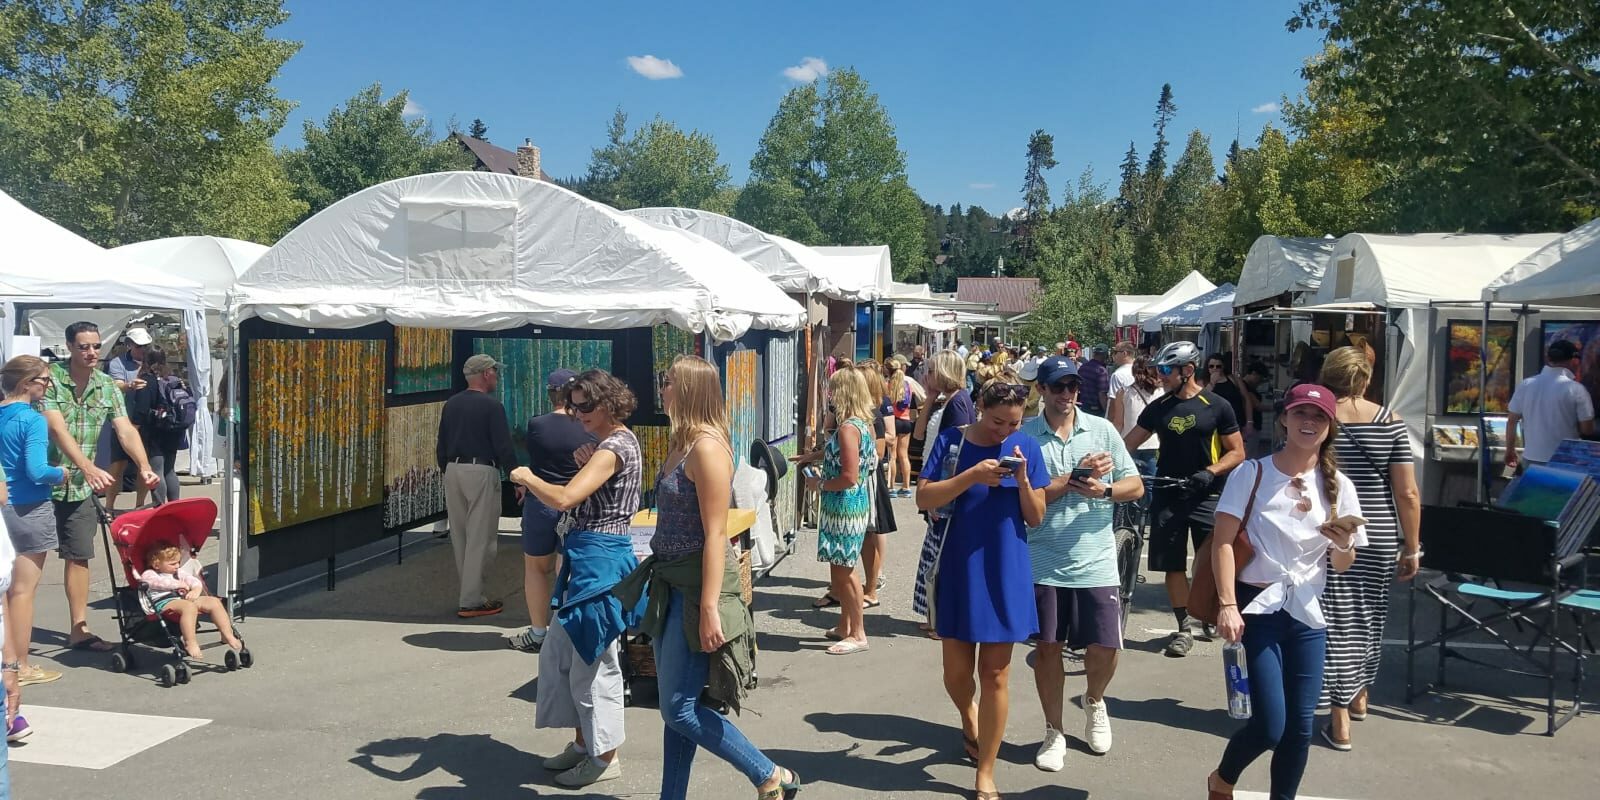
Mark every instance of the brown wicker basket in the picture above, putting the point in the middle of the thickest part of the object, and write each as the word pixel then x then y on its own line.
pixel 641 657
pixel 746 578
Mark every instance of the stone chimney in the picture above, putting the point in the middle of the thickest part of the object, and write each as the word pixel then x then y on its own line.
pixel 528 160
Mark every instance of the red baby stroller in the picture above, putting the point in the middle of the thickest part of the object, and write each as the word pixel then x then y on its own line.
pixel 184 524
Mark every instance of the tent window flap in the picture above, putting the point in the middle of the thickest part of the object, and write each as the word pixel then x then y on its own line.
pixel 460 245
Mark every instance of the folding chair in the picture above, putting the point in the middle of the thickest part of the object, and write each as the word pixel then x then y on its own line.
pixel 1496 547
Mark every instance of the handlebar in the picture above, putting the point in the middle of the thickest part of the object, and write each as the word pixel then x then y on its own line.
pixel 1160 482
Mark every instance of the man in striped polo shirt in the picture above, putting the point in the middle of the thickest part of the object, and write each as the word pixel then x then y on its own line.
pixel 1074 555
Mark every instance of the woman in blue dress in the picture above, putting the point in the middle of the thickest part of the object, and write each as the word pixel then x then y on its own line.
pixel 982 586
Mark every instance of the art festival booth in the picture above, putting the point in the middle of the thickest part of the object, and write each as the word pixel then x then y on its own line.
pixel 1202 320
pixel 1279 274
pixel 1193 285
pixel 70 278
pixel 351 332
pixel 1123 307
pixel 1426 333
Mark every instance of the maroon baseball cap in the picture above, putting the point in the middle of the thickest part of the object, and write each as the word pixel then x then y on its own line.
pixel 1311 394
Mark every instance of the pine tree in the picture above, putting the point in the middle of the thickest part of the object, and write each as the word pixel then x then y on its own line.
pixel 478 130
pixel 1035 194
pixel 1129 190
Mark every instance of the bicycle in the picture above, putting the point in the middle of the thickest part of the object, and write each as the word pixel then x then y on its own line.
pixel 1130 524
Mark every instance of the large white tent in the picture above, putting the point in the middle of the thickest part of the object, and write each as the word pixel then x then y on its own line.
pixel 1193 285
pixel 486 251
pixel 1123 305
pixel 866 271
pixel 1403 274
pixel 794 267
pixel 1206 309
pixel 1277 264
pixel 215 261
pixel 1564 272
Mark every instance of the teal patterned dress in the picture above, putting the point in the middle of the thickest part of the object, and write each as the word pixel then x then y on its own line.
pixel 843 522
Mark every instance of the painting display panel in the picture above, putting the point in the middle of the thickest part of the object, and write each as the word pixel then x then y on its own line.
pixel 413 486
pixel 788 499
pixel 742 390
pixel 524 366
pixel 316 429
pixel 1586 335
pixel 783 385
pixel 666 344
pixel 653 454
pixel 1462 367
pixel 422 360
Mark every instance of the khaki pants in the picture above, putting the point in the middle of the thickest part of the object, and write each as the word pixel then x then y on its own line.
pixel 472 502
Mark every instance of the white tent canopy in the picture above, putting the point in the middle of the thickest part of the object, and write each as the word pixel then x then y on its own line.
pixel 487 251
pixel 915 305
pixel 1210 307
pixel 1193 285
pixel 215 261
pixel 1277 264
pixel 1414 269
pixel 867 272
pixel 794 267
pixel 1126 304
pixel 1563 272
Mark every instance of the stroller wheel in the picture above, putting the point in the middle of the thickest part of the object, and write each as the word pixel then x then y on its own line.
pixel 183 673
pixel 245 659
pixel 169 676
pixel 119 662
pixel 230 660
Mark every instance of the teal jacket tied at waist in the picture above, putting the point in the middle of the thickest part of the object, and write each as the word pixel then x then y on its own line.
pixel 734 663
pixel 586 609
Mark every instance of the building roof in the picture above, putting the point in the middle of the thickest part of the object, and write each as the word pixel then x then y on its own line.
pixel 492 157
pixel 1009 295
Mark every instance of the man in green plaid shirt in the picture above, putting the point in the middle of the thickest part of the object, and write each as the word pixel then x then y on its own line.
pixel 77 405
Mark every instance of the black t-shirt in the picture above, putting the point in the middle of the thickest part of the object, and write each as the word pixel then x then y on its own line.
pixel 1191 432
pixel 552 438
pixel 473 425
pixel 1227 391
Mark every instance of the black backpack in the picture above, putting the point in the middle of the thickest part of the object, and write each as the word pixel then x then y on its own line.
pixel 178 406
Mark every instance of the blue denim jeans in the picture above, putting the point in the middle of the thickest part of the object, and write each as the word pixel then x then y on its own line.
pixel 681 675
pixel 1285 660
pixel 1145 462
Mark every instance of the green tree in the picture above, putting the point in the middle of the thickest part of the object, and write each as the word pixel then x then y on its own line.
pixel 1035 193
pixel 1488 111
pixel 1085 258
pixel 1187 224
pixel 829 170
pixel 478 130
pixel 127 121
pixel 366 142
pixel 657 165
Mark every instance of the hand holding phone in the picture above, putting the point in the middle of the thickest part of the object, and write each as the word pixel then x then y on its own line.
pixel 1082 473
pixel 1010 462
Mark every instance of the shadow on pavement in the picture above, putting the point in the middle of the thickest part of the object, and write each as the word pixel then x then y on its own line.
pixel 1171 713
pixel 900 735
pixel 485 766
pixel 458 641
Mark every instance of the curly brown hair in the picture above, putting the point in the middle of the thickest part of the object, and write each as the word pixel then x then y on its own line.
pixel 599 386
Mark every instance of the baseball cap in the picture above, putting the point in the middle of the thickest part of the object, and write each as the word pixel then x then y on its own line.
pixel 1101 349
pixel 559 378
pixel 139 336
pixel 478 364
pixel 1054 368
pixel 1029 369
pixel 1071 345
pixel 1311 394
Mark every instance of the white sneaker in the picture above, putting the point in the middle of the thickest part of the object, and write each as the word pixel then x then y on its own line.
pixel 1053 753
pixel 1097 729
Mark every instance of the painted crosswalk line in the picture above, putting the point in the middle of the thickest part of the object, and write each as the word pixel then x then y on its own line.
pixel 72 737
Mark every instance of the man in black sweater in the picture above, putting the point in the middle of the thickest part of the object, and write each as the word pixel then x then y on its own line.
pixel 474 446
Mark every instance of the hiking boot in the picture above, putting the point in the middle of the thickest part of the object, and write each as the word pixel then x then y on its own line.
pixel 35 675
pixel 19 729
pixel 1179 645
pixel 567 759
pixel 1053 752
pixel 1097 728
pixel 527 641
pixel 590 771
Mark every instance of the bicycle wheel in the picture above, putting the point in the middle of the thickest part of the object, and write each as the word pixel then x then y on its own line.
pixel 1127 544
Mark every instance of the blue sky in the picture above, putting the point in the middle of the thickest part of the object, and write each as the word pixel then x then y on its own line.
pixel 965 83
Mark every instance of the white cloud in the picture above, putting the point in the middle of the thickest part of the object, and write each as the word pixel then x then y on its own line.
pixel 656 69
pixel 980 186
pixel 1265 108
pixel 412 109
pixel 809 69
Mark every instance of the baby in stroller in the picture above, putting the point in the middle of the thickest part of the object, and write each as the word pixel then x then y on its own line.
pixel 169 587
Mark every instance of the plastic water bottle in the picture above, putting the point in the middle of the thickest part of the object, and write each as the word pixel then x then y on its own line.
pixel 1236 676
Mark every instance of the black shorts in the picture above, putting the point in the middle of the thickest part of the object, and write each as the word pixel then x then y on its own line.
pixel 76 523
pixel 1079 617
pixel 903 427
pixel 1173 518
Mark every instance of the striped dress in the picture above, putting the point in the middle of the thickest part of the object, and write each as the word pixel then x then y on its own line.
pixel 842 523
pixel 1356 601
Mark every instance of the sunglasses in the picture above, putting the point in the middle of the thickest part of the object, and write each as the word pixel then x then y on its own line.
pixel 1297 493
pixel 1167 369
pixel 1070 385
pixel 664 380
pixel 1002 392
pixel 587 406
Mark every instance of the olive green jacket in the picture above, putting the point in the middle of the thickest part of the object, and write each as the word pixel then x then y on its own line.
pixel 733 665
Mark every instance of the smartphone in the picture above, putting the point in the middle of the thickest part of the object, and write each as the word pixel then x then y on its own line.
pixel 1010 462
pixel 1082 473
pixel 811 471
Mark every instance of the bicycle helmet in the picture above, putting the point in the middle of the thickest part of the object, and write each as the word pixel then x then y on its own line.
pixel 1178 354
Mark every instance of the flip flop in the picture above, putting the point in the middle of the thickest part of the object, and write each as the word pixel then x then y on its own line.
pixel 833 635
pixel 865 603
pixel 847 648
pixel 970 745
pixel 825 601
pixel 92 643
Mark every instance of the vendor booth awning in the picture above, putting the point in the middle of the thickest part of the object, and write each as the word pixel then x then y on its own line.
pixel 1213 306
pixel 794 267
pixel 1277 264
pixel 1126 304
pixel 862 270
pixel 1565 272
pixel 486 251
pixel 1193 285
pixel 1415 269
pixel 215 261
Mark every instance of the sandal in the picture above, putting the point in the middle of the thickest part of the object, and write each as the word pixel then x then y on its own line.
pixel 848 648
pixel 825 601
pixel 985 794
pixel 785 790
pixel 833 635
pixel 1213 794
pixel 1343 746
pixel 870 602
pixel 970 745
pixel 92 643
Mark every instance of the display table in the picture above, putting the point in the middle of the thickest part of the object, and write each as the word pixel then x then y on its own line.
pixel 740 521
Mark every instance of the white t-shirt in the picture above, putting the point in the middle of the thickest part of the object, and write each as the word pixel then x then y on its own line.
pixel 1291 555
pixel 1134 402
pixel 1121 378
pixel 1551 404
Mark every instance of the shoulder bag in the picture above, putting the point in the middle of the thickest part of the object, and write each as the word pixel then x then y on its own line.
pixel 1203 599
